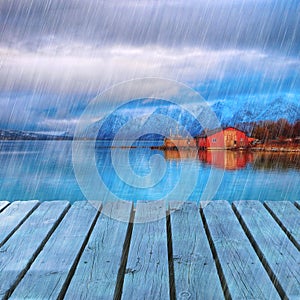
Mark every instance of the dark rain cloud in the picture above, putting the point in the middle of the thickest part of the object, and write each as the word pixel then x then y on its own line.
pixel 267 25
pixel 56 55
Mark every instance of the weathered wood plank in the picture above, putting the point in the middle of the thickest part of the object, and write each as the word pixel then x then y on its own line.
pixel 97 271
pixel 13 216
pixel 20 250
pixel 50 269
pixel 147 272
pixel 3 204
pixel 243 275
pixel 281 258
pixel 195 273
pixel 288 217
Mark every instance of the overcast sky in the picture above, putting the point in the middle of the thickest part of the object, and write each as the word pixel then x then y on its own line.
pixel 57 55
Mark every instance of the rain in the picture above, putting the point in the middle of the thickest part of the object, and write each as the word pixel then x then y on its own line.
pixel 57 57
pixel 149 149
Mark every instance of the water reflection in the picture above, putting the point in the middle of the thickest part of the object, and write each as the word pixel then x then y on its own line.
pixel 276 161
pixel 228 160
pixel 235 160
pixel 182 154
pixel 43 170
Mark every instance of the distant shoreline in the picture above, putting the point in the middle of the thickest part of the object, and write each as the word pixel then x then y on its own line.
pixel 264 147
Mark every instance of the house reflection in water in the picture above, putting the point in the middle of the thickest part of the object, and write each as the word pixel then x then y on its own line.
pixel 228 160
pixel 182 154
pixel 223 159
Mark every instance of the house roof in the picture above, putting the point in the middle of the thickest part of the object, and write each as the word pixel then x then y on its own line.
pixel 216 130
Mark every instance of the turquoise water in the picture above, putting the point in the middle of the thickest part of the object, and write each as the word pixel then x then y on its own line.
pixel 43 170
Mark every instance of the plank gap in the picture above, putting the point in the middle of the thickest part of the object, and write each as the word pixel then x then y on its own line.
pixel 76 261
pixel 297 204
pixel 4 206
pixel 260 254
pixel 216 259
pixel 20 224
pixel 170 258
pixel 284 229
pixel 122 268
pixel 37 252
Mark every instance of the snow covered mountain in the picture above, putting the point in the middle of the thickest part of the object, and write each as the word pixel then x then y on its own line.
pixel 161 121
pixel 234 112
pixel 229 113
pixel 30 135
pixel 280 109
pixel 148 121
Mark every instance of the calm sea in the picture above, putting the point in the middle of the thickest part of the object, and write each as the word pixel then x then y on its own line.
pixel 44 170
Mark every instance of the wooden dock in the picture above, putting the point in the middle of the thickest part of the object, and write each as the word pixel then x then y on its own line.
pixel 244 250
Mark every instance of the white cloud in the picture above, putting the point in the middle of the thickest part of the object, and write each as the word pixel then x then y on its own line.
pixel 65 124
pixel 64 68
pixel 53 52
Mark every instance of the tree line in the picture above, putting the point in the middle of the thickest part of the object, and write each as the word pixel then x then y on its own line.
pixel 272 130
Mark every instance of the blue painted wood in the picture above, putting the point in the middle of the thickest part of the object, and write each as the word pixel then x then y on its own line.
pixel 13 216
pixel 195 272
pixel 50 269
pixel 97 271
pixel 288 217
pixel 31 263
pixel 147 272
pixel 20 250
pixel 278 253
pixel 244 277
pixel 3 204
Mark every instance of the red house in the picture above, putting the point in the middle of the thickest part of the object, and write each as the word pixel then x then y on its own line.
pixel 228 138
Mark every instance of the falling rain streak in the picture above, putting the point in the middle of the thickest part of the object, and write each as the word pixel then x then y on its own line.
pixel 56 56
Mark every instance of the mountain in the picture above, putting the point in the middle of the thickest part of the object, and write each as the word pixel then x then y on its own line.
pixel 171 119
pixel 280 109
pixel 235 112
pixel 29 135
pixel 152 122
pixel 162 121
